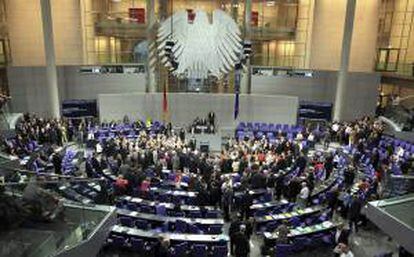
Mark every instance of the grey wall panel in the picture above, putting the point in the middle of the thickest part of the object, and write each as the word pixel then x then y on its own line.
pixel 320 87
pixel 88 86
pixel 27 86
pixel 361 96
pixel 27 89
pixel 183 108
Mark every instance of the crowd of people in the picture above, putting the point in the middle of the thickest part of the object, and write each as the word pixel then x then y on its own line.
pixel 259 163
pixel 204 125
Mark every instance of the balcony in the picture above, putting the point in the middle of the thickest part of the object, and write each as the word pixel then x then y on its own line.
pixel 119 25
pixel 267 34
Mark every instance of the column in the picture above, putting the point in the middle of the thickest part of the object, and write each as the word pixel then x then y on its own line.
pixel 345 54
pixel 51 71
pixel 246 82
pixel 150 86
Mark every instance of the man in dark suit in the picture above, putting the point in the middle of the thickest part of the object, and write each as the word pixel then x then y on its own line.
pixel 354 212
pixel 96 163
pixel 234 228
pixel 246 202
pixel 242 243
pixel 341 235
pixel 57 163
pixel 258 180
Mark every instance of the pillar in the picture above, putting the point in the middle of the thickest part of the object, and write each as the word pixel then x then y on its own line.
pixel 246 82
pixel 150 86
pixel 51 71
pixel 345 56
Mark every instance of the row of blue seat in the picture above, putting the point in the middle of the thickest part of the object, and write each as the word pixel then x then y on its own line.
pixel 179 226
pixel 176 250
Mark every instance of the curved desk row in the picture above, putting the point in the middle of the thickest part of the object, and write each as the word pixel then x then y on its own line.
pixel 195 238
pixel 285 216
pixel 163 219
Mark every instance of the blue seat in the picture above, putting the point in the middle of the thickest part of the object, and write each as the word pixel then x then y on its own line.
pixel 142 224
pixel 181 226
pixel 271 226
pixel 146 209
pixel 180 250
pixel 283 250
pixel 194 229
pixel 161 210
pixel 126 221
pixel 212 214
pixel 260 213
pixel 295 221
pixel 118 241
pixel 219 251
pixel 195 214
pixel 132 207
pixel 137 244
pixel 179 214
pixel 300 243
pixel 200 250
pixel 215 229
pixel 164 198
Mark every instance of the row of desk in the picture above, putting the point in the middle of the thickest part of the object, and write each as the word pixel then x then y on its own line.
pixel 169 206
pixel 195 238
pixel 302 231
pixel 288 215
pixel 163 219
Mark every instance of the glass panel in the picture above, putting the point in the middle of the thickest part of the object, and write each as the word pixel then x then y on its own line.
pixel 382 59
pixel 392 62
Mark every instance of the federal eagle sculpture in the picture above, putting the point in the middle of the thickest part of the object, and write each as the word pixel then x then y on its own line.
pixel 200 48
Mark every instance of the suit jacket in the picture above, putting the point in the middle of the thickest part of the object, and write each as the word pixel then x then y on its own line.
pixel 343 237
pixel 241 242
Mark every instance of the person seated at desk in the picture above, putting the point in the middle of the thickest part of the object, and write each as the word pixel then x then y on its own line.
pixel 145 187
pixel 282 232
pixel 162 247
pixel 121 185
pixel 178 178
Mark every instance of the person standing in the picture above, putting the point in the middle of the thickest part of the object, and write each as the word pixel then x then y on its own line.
pixel 227 197
pixel 233 230
pixel 354 212
pixel 341 237
pixel 242 244
pixel 303 196
pixel 282 232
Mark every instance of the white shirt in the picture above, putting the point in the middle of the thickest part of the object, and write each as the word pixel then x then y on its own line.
pixel 311 137
pixel 304 193
pixel 235 166
pixel 337 235
pixel 349 254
